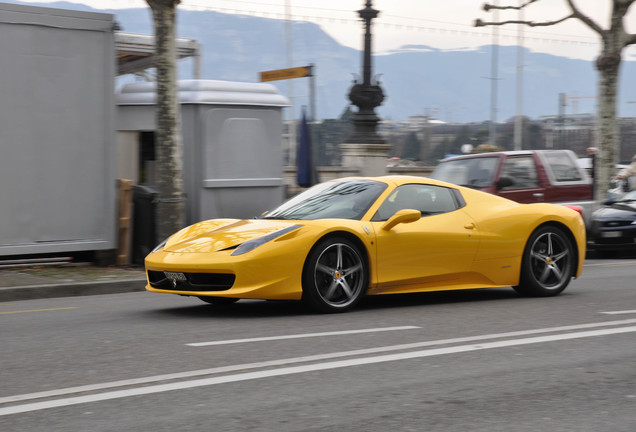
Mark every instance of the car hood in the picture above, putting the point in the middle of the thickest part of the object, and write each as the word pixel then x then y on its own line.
pixel 617 210
pixel 221 234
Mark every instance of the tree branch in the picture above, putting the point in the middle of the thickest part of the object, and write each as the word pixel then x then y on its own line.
pixel 488 7
pixel 576 13
pixel 630 40
pixel 480 23
pixel 584 18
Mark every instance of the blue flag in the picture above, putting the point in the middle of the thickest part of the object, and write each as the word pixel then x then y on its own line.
pixel 305 170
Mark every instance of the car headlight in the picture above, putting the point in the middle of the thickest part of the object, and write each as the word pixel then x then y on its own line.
pixel 253 244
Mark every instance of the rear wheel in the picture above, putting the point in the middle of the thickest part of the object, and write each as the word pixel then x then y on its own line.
pixel 335 275
pixel 547 264
pixel 218 300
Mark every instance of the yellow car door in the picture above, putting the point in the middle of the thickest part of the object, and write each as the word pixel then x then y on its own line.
pixel 437 250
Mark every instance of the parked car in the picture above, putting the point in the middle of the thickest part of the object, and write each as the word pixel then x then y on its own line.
pixel 531 176
pixel 614 225
pixel 340 240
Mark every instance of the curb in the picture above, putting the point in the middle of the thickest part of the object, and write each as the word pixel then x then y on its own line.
pixel 33 292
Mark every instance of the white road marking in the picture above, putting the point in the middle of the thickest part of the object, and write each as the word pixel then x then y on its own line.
pixel 620 312
pixel 611 264
pixel 301 336
pixel 160 388
pixel 293 360
pixel 37 310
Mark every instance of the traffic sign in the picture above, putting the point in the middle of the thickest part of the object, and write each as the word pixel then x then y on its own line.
pixel 283 74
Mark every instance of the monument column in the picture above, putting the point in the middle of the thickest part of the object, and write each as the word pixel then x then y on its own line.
pixel 365 150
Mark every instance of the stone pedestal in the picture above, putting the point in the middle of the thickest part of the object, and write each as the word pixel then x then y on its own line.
pixel 368 159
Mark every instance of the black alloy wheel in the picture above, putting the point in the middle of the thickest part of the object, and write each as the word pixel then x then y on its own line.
pixel 335 276
pixel 548 263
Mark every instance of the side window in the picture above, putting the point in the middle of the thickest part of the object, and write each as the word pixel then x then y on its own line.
pixel 428 199
pixel 522 171
pixel 562 167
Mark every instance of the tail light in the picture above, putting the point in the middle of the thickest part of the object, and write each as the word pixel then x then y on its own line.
pixel 577 209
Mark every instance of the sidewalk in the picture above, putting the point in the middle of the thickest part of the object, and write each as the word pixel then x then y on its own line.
pixel 68 280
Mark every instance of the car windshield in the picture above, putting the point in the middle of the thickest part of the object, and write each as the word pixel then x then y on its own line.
pixel 340 200
pixel 475 172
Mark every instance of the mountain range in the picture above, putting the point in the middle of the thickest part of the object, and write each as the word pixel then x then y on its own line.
pixel 453 86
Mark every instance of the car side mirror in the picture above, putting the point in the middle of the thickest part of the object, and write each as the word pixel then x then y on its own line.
pixel 402 216
pixel 504 182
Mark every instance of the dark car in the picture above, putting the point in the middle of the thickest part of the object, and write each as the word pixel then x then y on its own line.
pixel 614 225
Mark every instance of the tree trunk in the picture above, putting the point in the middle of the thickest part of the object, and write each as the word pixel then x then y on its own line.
pixel 608 67
pixel 170 200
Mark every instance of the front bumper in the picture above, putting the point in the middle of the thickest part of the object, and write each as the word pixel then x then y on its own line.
pixel 163 280
pixel 620 236
pixel 272 277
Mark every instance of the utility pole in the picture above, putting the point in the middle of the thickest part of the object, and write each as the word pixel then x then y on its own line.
pixel 291 135
pixel 312 91
pixel 492 135
pixel 518 132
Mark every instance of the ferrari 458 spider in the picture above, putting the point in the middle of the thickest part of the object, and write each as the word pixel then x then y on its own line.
pixel 340 240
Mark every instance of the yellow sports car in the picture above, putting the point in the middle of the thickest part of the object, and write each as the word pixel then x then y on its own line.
pixel 340 240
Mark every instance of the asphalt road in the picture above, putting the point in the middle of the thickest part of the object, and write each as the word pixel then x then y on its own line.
pixel 483 360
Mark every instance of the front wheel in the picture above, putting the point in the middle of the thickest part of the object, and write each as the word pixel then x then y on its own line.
pixel 547 264
pixel 335 276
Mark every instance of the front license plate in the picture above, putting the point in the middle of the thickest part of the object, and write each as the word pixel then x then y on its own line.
pixel 173 276
pixel 611 234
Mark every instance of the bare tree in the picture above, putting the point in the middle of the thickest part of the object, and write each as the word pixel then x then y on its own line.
pixel 614 40
pixel 170 203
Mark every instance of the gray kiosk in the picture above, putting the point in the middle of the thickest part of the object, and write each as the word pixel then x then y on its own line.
pixel 232 155
pixel 57 117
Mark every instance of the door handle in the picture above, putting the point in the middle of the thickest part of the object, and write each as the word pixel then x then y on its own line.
pixel 537 195
pixel 469 226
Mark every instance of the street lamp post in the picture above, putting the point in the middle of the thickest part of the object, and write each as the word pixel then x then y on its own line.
pixel 366 95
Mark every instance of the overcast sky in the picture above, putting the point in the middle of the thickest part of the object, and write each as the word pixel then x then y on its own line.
pixel 442 24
